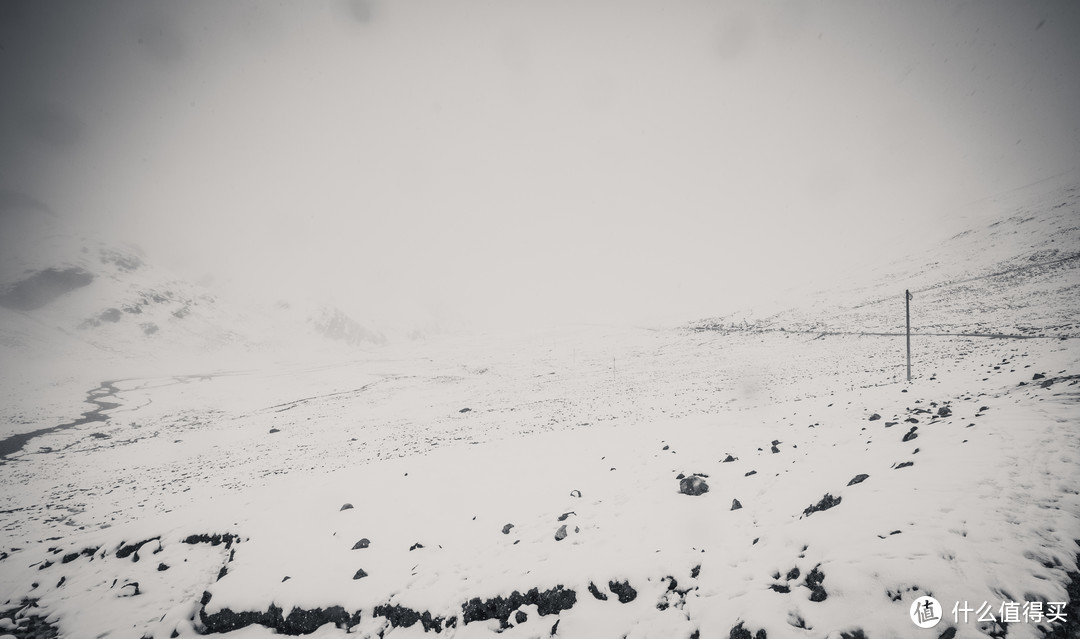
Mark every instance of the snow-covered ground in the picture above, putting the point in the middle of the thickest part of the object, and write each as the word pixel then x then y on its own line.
pixel 529 484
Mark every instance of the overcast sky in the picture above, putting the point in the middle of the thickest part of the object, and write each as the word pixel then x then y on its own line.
pixel 614 161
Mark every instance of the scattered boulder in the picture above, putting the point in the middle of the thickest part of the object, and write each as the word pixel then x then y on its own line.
pixel 274 430
pixel 738 632
pixel 911 434
pixel 595 592
pixel 363 543
pixel 875 417
pixel 729 458
pixel 944 411
pixel 345 506
pixel 520 617
pixel 858 479
pixel 827 502
pixel 693 485
pixel 506 529
pixel 416 546
pixel 1034 377
pixel 735 505
pixel 575 493
pixel 560 534
pixel 905 465
pixel 360 574
pixel 623 590
pixel 814 578
pixel 465 410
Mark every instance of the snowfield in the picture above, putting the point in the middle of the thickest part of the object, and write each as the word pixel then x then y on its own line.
pixel 529 484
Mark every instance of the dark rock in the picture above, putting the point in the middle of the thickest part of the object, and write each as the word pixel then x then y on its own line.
pixel 624 590
pixel 43 287
pixel 520 617
pixel 735 505
pixel 1034 377
pixel 854 634
pixel 575 493
pixel 595 592
pixel 912 420
pixel 132 549
pixel 345 506
pixel 416 546
pixel 814 579
pixel 875 417
pixel 162 567
pixel 944 411
pixel 858 479
pixel 560 534
pixel 303 622
pixel 506 529
pixel 549 602
pixel 752 472
pixel 905 465
pixel 775 449
pixel 693 485
pixel 563 516
pixel 274 430
pixel 695 571
pixel 360 574
pixel 400 616
pixel 911 434
pixel 738 632
pixel 949 633
pixel 729 458
pixel 827 502
pixel 890 424
pixel 781 588
pixel 221 573
pixel 363 543
pixel 213 540
pixel 464 410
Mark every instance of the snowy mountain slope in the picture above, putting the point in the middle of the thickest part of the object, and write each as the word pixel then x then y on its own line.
pixel 1018 274
pixel 115 299
pixel 75 309
pixel 529 485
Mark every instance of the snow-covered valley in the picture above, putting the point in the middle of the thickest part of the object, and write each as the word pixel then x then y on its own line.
pixel 531 484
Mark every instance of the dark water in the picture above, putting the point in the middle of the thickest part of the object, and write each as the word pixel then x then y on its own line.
pixel 97 397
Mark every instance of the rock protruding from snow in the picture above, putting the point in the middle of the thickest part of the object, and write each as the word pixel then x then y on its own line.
pixel 827 502
pixel 693 485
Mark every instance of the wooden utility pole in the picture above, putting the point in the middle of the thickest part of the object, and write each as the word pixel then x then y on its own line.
pixel 907 309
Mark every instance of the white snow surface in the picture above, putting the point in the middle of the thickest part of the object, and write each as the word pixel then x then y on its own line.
pixel 583 430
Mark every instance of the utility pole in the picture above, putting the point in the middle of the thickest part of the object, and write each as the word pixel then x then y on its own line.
pixel 907 309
